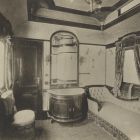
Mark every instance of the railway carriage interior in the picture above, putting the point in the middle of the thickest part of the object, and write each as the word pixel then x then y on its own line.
pixel 70 69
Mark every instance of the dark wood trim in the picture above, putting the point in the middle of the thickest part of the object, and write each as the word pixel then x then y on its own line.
pixel 72 11
pixel 112 45
pixel 29 39
pixel 29 2
pixel 122 17
pixel 66 23
pixel 91 44
pixel 119 12
pixel 52 6
pixel 136 33
pixel 84 13
pixel 89 86
pixel 119 4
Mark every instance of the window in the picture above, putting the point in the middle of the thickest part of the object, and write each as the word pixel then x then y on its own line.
pixel 129 71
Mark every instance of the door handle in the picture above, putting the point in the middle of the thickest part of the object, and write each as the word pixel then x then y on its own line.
pixel 73 109
pixel 70 109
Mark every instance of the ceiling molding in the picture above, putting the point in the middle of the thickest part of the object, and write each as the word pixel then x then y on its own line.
pixel 119 4
pixel 72 11
pixel 122 17
pixel 84 13
pixel 63 22
pixel 52 6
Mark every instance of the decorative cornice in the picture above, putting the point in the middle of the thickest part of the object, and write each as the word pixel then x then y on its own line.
pixel 66 23
pixel 121 18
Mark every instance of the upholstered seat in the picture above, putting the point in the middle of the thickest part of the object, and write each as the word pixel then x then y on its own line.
pixel 126 121
pixel 122 115
pixel 23 121
pixel 24 124
pixel 24 117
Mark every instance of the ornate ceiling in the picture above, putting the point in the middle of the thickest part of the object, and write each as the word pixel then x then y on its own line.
pixel 74 12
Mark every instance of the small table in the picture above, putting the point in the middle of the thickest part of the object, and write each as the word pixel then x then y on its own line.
pixel 68 105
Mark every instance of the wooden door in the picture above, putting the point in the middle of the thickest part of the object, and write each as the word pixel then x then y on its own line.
pixel 29 66
pixel 28 73
pixel 28 62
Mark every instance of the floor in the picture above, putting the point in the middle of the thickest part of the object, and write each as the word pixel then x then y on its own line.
pixel 84 130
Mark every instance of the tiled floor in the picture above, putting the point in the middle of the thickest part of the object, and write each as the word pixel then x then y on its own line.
pixel 84 130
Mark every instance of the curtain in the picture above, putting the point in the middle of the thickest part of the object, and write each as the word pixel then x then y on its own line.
pixel 118 68
pixel 2 47
pixel 137 55
pixel 8 64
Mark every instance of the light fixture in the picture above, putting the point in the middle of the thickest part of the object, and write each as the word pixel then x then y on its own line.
pixel 97 11
pixel 71 1
pixel 94 4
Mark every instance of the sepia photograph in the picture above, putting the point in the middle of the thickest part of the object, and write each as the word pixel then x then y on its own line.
pixel 69 69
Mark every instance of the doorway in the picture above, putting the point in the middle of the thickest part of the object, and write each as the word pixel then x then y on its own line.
pixel 28 74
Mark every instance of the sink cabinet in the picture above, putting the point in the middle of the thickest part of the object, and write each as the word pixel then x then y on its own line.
pixel 68 108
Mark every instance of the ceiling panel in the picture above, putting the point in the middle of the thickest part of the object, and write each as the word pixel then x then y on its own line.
pixel 72 12
pixel 109 3
pixel 73 4
pixel 82 5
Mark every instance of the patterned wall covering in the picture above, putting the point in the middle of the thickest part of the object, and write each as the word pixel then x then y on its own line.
pixel 110 66
pixel 91 65
pixel 46 74
pixel 65 68
pixel 91 68
pixel 46 65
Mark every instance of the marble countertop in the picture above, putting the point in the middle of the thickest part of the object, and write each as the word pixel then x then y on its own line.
pixel 68 91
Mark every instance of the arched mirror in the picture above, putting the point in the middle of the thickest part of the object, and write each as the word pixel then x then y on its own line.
pixel 64 60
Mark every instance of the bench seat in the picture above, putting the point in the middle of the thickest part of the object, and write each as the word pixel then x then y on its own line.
pixel 121 117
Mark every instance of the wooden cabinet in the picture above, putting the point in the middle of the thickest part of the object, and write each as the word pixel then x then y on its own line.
pixel 68 107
